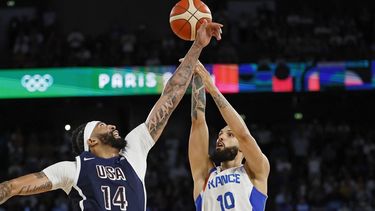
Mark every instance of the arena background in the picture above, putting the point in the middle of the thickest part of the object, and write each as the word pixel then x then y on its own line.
pixel 303 76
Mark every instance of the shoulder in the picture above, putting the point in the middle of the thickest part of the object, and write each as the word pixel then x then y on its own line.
pixel 62 174
pixel 140 132
pixel 63 165
pixel 63 169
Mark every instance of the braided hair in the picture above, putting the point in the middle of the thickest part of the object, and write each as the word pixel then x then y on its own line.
pixel 77 140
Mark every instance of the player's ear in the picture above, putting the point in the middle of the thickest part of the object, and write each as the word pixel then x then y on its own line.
pixel 92 142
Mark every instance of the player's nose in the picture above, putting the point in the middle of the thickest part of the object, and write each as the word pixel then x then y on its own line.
pixel 112 127
pixel 220 138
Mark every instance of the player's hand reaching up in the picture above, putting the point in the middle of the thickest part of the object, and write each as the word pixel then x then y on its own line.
pixel 206 31
pixel 204 74
pixel 206 77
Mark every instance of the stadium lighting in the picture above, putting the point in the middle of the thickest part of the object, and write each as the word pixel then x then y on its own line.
pixel 11 3
pixel 67 127
pixel 298 116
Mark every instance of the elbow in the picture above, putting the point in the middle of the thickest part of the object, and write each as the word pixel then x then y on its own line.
pixel 266 166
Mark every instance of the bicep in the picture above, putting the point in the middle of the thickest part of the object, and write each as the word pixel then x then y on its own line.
pixel 260 178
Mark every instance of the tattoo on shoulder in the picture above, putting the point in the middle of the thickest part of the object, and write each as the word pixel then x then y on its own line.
pixel 5 191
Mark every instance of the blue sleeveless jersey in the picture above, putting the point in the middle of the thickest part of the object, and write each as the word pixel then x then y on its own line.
pixel 106 184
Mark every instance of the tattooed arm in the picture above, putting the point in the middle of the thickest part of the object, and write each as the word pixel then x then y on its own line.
pixel 178 83
pixel 26 185
pixel 200 163
pixel 257 165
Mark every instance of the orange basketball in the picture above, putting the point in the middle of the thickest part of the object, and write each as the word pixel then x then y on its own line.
pixel 187 16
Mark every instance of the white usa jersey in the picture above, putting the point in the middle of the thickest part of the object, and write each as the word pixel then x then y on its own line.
pixel 231 190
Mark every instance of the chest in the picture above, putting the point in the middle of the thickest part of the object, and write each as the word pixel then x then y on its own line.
pixel 234 180
pixel 108 173
pixel 111 184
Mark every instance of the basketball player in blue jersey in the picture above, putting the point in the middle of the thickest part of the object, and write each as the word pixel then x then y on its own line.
pixel 109 172
pixel 232 185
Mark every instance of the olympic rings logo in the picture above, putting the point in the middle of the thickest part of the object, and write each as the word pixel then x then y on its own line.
pixel 37 82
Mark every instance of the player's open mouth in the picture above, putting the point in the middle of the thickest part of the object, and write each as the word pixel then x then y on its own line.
pixel 219 145
pixel 115 133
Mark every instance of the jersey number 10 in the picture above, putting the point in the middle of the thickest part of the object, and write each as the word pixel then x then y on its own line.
pixel 226 201
pixel 119 199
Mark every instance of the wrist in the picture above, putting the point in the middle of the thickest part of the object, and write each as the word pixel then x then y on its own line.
pixel 198 45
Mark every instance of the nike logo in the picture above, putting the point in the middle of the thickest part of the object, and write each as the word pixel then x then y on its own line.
pixel 86 159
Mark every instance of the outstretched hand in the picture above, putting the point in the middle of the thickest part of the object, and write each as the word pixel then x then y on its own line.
pixel 206 31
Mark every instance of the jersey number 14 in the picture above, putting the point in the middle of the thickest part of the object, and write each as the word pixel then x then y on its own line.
pixel 119 199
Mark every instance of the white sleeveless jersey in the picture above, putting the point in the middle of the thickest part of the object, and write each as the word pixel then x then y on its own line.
pixel 231 190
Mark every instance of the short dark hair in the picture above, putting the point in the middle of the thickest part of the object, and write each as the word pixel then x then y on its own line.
pixel 77 140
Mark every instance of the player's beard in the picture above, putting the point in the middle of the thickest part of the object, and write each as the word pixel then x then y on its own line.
pixel 227 154
pixel 110 139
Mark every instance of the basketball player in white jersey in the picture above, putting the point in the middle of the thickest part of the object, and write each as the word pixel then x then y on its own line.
pixel 109 172
pixel 232 185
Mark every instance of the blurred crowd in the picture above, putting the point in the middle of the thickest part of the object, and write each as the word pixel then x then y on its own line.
pixel 265 34
pixel 315 166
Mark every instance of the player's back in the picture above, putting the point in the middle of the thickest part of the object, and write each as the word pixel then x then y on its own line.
pixel 230 189
pixel 106 184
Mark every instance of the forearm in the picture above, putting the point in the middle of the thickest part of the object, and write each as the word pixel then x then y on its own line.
pixel 198 140
pixel 26 185
pixel 236 123
pixel 198 100
pixel 181 78
pixel 230 115
pixel 173 92
pixel 258 163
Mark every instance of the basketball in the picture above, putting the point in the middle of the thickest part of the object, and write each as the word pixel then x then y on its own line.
pixel 187 16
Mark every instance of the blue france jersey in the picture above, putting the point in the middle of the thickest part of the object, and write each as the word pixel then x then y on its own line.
pixel 117 183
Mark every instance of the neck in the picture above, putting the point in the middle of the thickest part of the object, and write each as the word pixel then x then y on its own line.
pixel 106 152
pixel 231 163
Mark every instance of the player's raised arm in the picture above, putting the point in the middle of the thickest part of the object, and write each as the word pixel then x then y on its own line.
pixel 26 185
pixel 178 83
pixel 200 163
pixel 257 162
